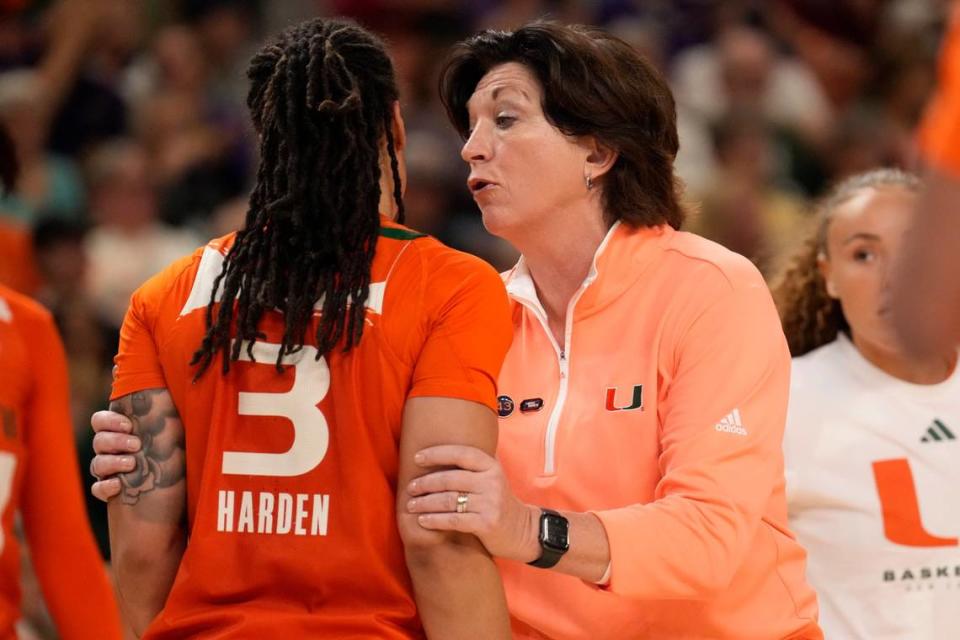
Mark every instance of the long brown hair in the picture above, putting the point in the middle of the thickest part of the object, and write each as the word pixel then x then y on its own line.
pixel 810 317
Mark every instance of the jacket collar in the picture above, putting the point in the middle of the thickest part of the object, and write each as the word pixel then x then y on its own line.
pixel 622 256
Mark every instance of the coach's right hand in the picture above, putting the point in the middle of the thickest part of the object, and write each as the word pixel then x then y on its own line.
pixel 112 443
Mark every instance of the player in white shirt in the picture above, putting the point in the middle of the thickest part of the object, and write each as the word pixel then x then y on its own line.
pixel 872 445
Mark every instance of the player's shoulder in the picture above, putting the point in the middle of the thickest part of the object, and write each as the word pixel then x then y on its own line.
pixel 421 255
pixel 397 247
pixel 188 278
pixel 21 310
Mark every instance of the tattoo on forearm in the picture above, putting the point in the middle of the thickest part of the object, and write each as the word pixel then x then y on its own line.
pixel 161 462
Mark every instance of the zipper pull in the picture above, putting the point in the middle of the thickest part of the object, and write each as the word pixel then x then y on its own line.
pixel 563 364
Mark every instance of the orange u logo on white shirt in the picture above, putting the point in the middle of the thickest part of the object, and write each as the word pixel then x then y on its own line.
pixel 901 508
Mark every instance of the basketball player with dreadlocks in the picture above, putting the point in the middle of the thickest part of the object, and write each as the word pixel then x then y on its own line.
pixel 282 378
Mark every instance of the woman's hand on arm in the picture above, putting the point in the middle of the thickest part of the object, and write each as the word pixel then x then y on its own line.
pixel 115 446
pixel 507 527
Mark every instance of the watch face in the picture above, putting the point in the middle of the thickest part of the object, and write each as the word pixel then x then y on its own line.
pixel 556 532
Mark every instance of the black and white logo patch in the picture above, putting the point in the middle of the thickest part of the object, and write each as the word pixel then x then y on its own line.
pixel 504 406
pixel 531 404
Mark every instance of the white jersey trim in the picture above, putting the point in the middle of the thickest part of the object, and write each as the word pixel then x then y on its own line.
pixel 211 263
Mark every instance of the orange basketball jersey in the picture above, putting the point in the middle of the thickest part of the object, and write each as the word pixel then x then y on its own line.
pixel 39 478
pixel 291 477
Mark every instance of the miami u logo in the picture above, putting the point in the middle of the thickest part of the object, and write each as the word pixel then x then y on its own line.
pixel 635 403
pixel 901 508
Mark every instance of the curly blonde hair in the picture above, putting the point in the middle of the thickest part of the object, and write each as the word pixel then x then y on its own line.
pixel 810 317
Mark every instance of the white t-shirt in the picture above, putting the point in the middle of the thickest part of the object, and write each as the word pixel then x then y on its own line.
pixel 883 555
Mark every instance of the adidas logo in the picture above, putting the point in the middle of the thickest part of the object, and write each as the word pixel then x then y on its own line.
pixel 731 423
pixel 937 432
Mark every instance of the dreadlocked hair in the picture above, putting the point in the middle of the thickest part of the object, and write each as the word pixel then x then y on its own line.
pixel 321 99
pixel 810 317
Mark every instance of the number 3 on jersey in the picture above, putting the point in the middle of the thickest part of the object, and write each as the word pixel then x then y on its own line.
pixel 311 434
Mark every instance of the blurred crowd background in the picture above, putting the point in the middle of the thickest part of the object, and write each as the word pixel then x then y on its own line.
pixel 130 124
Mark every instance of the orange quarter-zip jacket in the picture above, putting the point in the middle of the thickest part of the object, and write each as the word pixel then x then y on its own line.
pixel 662 412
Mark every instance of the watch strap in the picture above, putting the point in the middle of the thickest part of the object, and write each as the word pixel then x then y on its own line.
pixel 548 558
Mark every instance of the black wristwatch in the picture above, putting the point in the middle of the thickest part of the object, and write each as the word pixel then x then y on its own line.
pixel 554 539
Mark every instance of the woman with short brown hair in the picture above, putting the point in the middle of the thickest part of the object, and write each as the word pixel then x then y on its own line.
pixel 643 398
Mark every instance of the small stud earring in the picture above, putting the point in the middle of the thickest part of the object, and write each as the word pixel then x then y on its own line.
pixel 589 183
